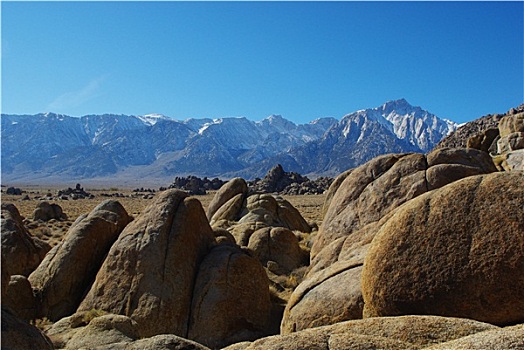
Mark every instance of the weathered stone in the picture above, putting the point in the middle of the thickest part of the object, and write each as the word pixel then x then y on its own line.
pixel 484 140
pixel 321 339
pixel 272 211
pixel 64 329
pixel 508 338
pixel 456 251
pixel 230 210
pixel 223 235
pixel 231 299
pixel 104 330
pixel 229 190
pixel 150 270
pixel 364 201
pixel 514 160
pixel 320 300
pixel 376 188
pixel 20 335
pixel 395 179
pixel 405 332
pixel 62 279
pixel 260 208
pixel 158 342
pixel 461 156
pixel 238 346
pixel 276 244
pixel 511 142
pixel 459 137
pixel 21 253
pixel 333 189
pixel 290 217
pixel 45 212
pixel 243 232
pixel 6 276
pixel 19 297
pixel 510 124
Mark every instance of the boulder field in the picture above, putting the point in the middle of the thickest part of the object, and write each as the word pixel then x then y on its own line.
pixel 415 251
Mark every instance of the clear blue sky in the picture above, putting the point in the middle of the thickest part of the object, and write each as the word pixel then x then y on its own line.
pixel 303 60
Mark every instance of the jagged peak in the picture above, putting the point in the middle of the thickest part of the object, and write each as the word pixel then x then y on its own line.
pixel 401 106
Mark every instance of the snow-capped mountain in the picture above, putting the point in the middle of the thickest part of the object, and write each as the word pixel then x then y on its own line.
pixel 52 146
pixel 394 127
pixel 415 125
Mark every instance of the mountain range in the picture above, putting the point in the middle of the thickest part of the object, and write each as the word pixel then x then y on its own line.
pixel 55 148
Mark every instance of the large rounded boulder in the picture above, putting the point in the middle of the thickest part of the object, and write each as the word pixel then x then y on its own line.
pixel 150 271
pixel 364 199
pixel 46 211
pixel 68 270
pixel 457 251
pixel 231 300
pixel 376 188
pixel 232 188
pixel 276 244
pixel 404 332
pixel 22 252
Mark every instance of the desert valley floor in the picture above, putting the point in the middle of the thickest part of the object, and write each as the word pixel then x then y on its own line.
pixel 310 206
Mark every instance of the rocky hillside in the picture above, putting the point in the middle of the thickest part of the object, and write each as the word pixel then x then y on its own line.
pixel 50 147
pixel 460 137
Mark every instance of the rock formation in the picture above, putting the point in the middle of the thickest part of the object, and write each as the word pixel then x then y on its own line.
pixel 194 185
pixel 45 212
pixel 416 251
pixel 362 203
pixel 20 299
pixel 150 270
pixel 463 261
pixel 62 279
pixel 19 335
pixel 229 190
pixel 230 299
pixel 22 252
pixel 279 181
pixel 405 332
pixel 278 245
pixel 476 129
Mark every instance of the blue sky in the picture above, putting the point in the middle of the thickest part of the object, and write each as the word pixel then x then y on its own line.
pixel 303 60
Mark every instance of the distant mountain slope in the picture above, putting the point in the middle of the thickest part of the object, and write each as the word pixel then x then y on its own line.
pixel 394 127
pixel 45 146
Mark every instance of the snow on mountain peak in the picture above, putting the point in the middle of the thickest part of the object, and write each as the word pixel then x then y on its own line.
pixel 152 119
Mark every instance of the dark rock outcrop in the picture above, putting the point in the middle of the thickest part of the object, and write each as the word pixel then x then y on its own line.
pixel 45 211
pixel 279 181
pixel 20 299
pixel 194 185
pixel 74 193
pixel 20 335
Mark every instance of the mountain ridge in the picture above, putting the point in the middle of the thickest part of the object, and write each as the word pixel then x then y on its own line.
pixel 48 145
